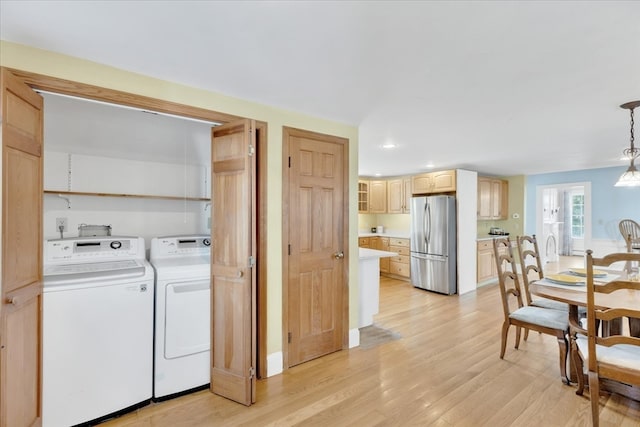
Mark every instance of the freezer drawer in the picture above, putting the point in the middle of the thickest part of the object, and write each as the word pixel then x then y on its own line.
pixel 433 273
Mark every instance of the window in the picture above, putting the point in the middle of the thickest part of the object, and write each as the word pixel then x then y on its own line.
pixel 577 216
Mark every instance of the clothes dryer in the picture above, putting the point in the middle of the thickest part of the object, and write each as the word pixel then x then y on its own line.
pixel 182 313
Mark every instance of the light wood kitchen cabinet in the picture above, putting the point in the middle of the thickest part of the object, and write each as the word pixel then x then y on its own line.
pixel 434 182
pixel 383 245
pixel 398 195
pixel 493 198
pixel 363 196
pixel 378 196
pixel 486 261
pixel 408 192
pixel 399 265
pixel 379 243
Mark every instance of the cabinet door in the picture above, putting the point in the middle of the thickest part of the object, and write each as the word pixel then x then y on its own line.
pixel 444 181
pixel 363 196
pixel 383 245
pixel 408 192
pixel 395 196
pixel 377 196
pixel 496 199
pixel 421 184
pixel 484 198
pixel 486 265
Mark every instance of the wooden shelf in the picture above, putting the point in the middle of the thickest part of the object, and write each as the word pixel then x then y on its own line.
pixel 137 196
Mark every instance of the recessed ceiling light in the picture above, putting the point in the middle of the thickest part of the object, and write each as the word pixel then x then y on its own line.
pixel 378 174
pixel 430 165
pixel 389 146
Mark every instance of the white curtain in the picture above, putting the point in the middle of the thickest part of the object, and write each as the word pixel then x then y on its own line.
pixel 566 242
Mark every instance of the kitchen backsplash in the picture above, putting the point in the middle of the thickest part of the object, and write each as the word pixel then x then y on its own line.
pixel 398 222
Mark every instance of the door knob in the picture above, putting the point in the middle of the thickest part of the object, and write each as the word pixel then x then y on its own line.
pixel 12 300
pixel 338 255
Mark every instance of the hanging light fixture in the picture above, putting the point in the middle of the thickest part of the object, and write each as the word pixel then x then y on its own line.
pixel 631 178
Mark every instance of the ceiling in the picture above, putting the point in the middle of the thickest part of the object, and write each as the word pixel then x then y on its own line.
pixel 504 88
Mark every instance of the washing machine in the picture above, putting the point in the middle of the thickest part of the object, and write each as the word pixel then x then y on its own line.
pixel 182 314
pixel 97 354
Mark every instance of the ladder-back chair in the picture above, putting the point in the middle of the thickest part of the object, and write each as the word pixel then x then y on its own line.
pixel 516 313
pixel 615 356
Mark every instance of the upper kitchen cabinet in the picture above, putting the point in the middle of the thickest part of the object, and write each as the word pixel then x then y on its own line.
pixel 363 196
pixel 399 195
pixel 434 182
pixel 493 198
pixel 377 196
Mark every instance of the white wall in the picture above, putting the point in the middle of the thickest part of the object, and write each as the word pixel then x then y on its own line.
pixel 467 200
pixel 127 215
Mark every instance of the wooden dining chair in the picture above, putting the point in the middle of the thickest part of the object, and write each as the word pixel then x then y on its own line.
pixel 530 262
pixel 630 231
pixel 615 356
pixel 516 313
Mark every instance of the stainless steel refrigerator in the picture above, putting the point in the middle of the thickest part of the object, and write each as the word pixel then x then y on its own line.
pixel 433 243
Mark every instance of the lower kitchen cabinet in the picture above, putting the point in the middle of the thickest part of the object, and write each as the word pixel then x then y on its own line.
pixel 383 245
pixel 399 265
pixel 486 260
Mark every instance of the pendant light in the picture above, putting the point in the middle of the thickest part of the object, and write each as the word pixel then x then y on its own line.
pixel 631 178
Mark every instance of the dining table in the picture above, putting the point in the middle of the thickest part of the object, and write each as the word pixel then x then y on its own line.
pixel 575 295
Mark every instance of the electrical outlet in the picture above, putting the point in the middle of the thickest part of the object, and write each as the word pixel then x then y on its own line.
pixel 61 222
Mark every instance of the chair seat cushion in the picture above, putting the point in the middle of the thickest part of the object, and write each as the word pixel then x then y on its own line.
pixel 554 319
pixel 556 305
pixel 549 303
pixel 623 355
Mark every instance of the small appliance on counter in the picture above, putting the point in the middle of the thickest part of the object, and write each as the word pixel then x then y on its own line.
pixel 496 231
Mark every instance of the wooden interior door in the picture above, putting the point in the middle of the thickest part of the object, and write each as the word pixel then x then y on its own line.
pixel 317 291
pixel 233 252
pixel 21 306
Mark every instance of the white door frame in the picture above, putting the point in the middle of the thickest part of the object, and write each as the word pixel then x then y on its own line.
pixel 587 208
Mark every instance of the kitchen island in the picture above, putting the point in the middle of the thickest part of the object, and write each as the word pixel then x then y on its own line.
pixel 369 283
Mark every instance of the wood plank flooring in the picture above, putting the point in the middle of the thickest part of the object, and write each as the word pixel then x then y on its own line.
pixel 445 370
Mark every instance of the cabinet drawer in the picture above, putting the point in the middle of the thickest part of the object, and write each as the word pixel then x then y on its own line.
pixel 363 242
pixel 402 259
pixel 484 245
pixel 393 241
pixel 399 268
pixel 401 250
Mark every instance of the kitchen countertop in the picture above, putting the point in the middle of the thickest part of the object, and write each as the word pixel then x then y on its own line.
pixel 491 236
pixel 389 233
pixel 366 253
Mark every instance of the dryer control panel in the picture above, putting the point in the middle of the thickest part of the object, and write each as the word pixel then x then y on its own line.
pixel 180 246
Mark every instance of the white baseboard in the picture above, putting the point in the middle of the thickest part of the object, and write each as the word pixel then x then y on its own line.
pixel 354 337
pixel 274 364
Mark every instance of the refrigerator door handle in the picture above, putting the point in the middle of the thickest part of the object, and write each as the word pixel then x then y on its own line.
pixel 424 226
pixel 429 223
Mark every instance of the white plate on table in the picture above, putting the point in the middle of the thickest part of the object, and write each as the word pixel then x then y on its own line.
pixel 582 272
pixel 565 279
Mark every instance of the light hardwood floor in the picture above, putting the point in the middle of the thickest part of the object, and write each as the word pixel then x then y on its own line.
pixel 444 371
